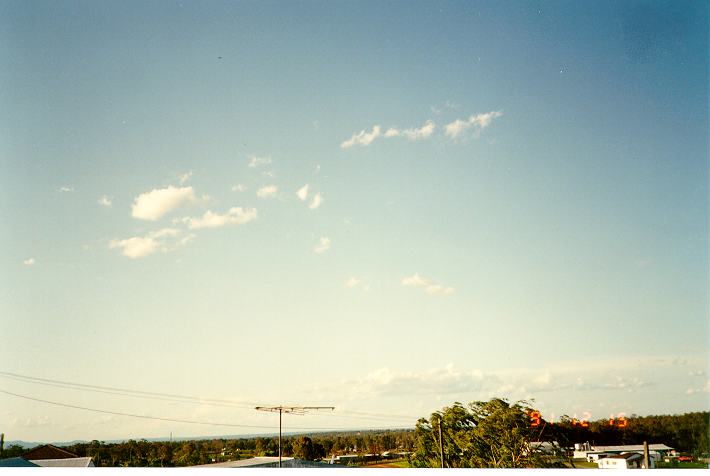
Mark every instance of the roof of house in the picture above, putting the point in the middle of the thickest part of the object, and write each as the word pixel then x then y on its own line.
pixel 626 456
pixel 17 462
pixel 82 462
pixel 623 448
pixel 48 452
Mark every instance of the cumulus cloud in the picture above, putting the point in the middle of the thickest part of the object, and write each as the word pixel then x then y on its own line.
pixel 705 389
pixel 156 203
pixel 255 161
pixel 440 381
pixel 302 193
pixel 105 201
pixel 363 138
pixel 429 286
pixel 29 262
pixel 267 191
pixel 316 202
pixel 163 240
pixel 65 189
pixel 353 282
pixel 423 132
pixel 477 122
pixel 238 188
pixel 235 216
pixel 322 246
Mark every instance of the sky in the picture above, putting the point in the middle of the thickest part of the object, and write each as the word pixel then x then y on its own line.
pixel 385 207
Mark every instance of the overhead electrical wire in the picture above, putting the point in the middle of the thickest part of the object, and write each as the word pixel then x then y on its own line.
pixel 174 420
pixel 185 398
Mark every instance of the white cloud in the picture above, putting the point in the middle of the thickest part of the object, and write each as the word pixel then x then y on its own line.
pixel 423 132
pixel 415 280
pixel 302 193
pixel 235 216
pixel 267 191
pixel 29 262
pixel 430 287
pixel 438 290
pixel 440 381
pixel 156 203
pixel 105 201
pixel 696 373
pixel 323 245
pixel 238 188
pixel 363 138
pixel 353 282
pixel 185 177
pixel 66 189
pixel 478 122
pixel 316 202
pixel 255 161
pixel 268 173
pixel 163 240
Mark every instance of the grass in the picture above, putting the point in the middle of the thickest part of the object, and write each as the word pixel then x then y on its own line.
pixel 682 465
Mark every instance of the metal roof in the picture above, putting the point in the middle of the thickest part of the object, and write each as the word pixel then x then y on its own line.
pixel 84 462
pixel 622 448
pixel 18 462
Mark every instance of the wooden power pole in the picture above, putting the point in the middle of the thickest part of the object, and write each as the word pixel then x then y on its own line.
pixel 296 410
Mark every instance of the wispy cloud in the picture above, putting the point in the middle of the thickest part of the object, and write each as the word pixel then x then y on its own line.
pixel 238 188
pixel 322 246
pixel 268 173
pixel 164 240
pixel 477 122
pixel 302 193
pixel 362 138
pixel 268 191
pixel 235 216
pixel 352 282
pixel 429 286
pixel 156 203
pixel 316 202
pixel 184 178
pixel 423 132
pixel 105 201
pixel 65 189
pixel 255 161
pixel 29 262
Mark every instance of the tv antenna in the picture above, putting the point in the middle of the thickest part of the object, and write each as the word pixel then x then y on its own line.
pixel 295 410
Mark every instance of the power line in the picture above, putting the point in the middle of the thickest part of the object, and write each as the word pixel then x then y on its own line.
pixel 176 420
pixel 355 415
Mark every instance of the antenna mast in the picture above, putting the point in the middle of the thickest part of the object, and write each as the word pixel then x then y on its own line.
pixel 295 410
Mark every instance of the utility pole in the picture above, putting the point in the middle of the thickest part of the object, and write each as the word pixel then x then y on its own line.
pixel 646 459
pixel 2 443
pixel 295 410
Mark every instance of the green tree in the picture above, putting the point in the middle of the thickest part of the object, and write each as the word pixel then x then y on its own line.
pixel 493 434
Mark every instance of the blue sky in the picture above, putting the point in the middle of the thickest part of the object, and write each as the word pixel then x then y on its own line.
pixel 503 199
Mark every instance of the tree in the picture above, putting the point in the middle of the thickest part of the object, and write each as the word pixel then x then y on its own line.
pixel 304 448
pixel 493 434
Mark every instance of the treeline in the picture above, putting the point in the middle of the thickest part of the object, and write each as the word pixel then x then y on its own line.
pixel 465 432
pixel 687 433
pixel 142 453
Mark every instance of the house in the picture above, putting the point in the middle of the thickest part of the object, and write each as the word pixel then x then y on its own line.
pixel 625 461
pixel 594 453
pixel 55 457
